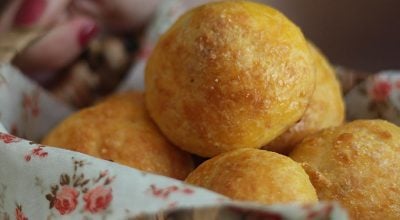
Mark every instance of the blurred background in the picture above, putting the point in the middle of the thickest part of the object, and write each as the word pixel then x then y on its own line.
pixel 93 44
pixel 362 35
pixel 359 34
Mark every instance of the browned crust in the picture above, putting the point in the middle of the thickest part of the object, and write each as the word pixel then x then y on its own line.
pixel 255 175
pixel 358 165
pixel 326 108
pixel 120 130
pixel 228 75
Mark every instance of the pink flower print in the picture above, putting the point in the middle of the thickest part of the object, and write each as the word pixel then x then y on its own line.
pixel 66 200
pixel 31 103
pixel 381 91
pixel 163 193
pixel 8 138
pixel 97 199
pixel 188 191
pixel 27 157
pixel 36 152
pixel 19 215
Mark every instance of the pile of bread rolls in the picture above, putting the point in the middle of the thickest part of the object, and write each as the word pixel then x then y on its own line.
pixel 238 83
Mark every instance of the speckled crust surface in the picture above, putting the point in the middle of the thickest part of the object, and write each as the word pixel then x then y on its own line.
pixel 255 175
pixel 358 165
pixel 120 130
pixel 326 108
pixel 228 75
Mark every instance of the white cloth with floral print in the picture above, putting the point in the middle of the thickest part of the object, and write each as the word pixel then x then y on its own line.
pixel 376 97
pixel 44 182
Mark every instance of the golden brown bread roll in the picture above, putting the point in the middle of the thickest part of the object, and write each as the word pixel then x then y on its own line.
pixel 228 75
pixel 326 108
pixel 255 175
pixel 120 130
pixel 357 164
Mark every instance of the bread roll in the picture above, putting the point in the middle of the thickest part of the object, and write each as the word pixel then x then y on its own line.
pixel 228 75
pixel 326 108
pixel 255 175
pixel 357 164
pixel 120 130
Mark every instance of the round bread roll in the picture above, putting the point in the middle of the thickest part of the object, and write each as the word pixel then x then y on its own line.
pixel 357 164
pixel 228 75
pixel 326 108
pixel 255 175
pixel 120 130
